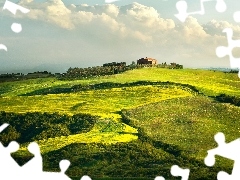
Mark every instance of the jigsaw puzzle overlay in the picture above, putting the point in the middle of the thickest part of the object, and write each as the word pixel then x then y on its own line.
pixel 222 51
pixel 13 8
pixel 34 168
pixel 228 150
pixel 110 1
pixel 182 8
pixel 177 171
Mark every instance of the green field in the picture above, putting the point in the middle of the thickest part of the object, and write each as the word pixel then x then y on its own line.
pixel 145 120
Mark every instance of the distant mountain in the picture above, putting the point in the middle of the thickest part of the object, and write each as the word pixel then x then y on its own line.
pixel 53 68
pixel 220 69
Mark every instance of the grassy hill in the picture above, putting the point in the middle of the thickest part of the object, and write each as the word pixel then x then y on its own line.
pixel 188 123
pixel 145 120
pixel 209 82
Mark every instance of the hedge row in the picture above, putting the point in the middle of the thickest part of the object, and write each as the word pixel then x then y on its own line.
pixel 36 126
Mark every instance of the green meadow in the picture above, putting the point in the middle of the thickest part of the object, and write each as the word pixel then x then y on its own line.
pixel 131 125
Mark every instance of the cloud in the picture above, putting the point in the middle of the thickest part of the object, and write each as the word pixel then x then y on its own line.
pixel 132 21
pixel 215 27
pixel 134 30
pixel 145 18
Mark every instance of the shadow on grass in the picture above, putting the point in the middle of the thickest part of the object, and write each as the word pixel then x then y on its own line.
pixel 224 98
pixel 134 160
pixel 106 85
pixel 34 126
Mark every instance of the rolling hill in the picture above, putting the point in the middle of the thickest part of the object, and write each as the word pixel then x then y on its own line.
pixel 133 125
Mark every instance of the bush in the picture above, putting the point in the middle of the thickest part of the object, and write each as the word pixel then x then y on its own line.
pixel 228 99
pixel 35 126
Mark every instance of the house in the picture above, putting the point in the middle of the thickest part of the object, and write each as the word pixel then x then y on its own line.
pixel 147 60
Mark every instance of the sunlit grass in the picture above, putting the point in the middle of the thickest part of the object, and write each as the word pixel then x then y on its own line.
pixel 90 137
pixel 168 114
pixel 105 103
pixel 209 82
pixel 189 123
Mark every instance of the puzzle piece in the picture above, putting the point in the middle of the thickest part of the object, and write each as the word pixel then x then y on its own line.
pixel 12 7
pixel 110 1
pixel 5 153
pixel 236 16
pixel 35 164
pixel 33 169
pixel 228 150
pixel 3 47
pixel 182 9
pixel 222 51
pixel 3 126
pixel 16 27
pixel 177 171
pixel 64 164
pixel 7 163
pixel 86 178
pixel 159 178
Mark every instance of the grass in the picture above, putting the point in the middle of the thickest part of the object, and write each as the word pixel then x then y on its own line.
pixel 108 102
pixel 171 116
pixel 189 123
pixel 209 82
pixel 52 144
pixel 105 103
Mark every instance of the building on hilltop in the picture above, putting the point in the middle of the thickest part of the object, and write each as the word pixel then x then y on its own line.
pixel 147 60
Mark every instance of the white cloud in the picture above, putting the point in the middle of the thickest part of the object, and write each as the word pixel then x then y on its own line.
pixel 130 31
pixel 215 27
pixel 132 21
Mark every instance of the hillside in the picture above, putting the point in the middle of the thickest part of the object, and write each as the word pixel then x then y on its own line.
pixel 134 124
pixel 210 82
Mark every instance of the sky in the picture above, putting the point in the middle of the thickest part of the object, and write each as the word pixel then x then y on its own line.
pixel 58 34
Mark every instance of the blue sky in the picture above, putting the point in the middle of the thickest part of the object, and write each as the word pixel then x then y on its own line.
pixel 57 35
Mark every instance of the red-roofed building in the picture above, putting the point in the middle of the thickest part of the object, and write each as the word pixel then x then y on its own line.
pixel 147 60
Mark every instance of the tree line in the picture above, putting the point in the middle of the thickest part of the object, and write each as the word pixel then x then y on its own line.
pixel 110 69
pixel 37 126
pixel 82 73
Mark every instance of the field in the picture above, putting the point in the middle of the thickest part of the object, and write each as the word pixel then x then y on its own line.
pixel 133 125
